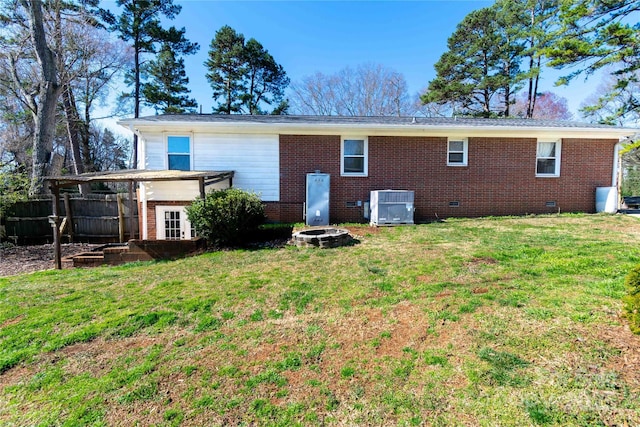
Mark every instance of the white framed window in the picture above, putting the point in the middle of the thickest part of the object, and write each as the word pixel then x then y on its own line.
pixel 457 152
pixel 354 156
pixel 548 158
pixel 179 152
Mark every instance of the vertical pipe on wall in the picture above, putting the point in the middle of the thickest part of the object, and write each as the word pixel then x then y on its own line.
pixel 616 179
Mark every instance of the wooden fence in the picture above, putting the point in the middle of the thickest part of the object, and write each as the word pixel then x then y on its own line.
pixel 95 218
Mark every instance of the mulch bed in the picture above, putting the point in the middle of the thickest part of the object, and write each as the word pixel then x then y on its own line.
pixel 27 259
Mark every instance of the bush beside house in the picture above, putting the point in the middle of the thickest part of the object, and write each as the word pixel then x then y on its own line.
pixel 229 217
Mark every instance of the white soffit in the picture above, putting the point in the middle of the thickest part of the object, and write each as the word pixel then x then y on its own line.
pixel 175 126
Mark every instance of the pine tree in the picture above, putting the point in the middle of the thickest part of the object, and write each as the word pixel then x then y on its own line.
pixel 244 75
pixel 226 69
pixel 139 23
pixel 480 71
pixel 593 34
pixel 537 18
pixel 167 89
pixel 266 79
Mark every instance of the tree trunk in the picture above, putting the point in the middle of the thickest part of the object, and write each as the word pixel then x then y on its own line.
pixel 530 95
pixel 75 131
pixel 535 89
pixel 228 95
pixel 87 161
pixel 136 101
pixel 45 114
pixel 44 132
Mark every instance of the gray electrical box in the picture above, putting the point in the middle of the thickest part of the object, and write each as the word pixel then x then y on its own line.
pixel 317 206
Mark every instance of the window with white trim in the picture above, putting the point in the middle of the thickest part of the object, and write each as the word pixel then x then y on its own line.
pixel 179 153
pixel 457 152
pixel 548 158
pixel 353 156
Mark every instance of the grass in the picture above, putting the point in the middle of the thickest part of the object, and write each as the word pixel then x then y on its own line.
pixel 494 321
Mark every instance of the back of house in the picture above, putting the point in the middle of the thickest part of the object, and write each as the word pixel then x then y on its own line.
pixel 460 167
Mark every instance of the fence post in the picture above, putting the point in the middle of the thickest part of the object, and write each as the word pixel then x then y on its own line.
pixel 54 220
pixel 120 218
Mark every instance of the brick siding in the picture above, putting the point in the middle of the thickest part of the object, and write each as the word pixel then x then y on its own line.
pixel 499 179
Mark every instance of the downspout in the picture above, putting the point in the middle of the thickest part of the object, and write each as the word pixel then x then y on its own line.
pixel 616 178
pixel 142 188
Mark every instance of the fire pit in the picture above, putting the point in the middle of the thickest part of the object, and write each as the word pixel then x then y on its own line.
pixel 321 238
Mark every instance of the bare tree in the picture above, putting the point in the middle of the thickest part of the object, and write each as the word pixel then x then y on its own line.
pixel 16 132
pixel 548 106
pixel 44 99
pixel 80 62
pixel 368 90
pixel 314 95
pixel 44 49
pixel 432 109
pixel 611 100
pixel 95 64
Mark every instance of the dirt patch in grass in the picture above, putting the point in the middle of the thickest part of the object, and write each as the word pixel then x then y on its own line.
pixel 362 230
pixel 28 259
pixel 13 321
pixel 627 364
pixel 96 357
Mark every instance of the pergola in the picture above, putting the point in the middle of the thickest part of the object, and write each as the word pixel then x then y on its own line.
pixel 132 177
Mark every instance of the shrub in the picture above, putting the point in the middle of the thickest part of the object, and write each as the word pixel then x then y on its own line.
pixel 632 299
pixel 14 185
pixel 227 217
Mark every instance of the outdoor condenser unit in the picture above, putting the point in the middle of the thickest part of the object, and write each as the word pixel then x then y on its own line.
pixel 391 207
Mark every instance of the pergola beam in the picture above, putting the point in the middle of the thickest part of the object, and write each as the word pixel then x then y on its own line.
pixel 204 178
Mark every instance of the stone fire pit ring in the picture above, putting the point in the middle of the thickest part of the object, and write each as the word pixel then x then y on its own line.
pixel 321 238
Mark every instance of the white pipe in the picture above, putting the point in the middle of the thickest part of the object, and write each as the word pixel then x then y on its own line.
pixel 616 164
pixel 616 178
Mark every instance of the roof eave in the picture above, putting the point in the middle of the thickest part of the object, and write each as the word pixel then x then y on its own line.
pixel 376 129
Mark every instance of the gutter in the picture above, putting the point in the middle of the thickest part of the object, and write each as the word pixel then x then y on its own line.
pixel 373 130
pixel 617 171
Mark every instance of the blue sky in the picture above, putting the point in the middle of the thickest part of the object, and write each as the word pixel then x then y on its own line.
pixel 325 36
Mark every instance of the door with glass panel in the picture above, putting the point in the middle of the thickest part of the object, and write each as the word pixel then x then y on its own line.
pixel 172 223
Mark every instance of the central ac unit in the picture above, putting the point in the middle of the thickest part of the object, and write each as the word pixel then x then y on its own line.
pixel 391 207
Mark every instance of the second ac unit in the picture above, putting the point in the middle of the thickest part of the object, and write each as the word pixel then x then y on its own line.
pixel 391 207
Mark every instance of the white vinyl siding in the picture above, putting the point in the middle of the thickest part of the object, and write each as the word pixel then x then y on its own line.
pixel 255 159
pixel 155 152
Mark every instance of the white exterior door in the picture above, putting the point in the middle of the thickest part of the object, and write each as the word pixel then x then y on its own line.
pixel 172 223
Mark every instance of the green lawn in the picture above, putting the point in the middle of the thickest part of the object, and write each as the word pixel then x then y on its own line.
pixel 494 321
